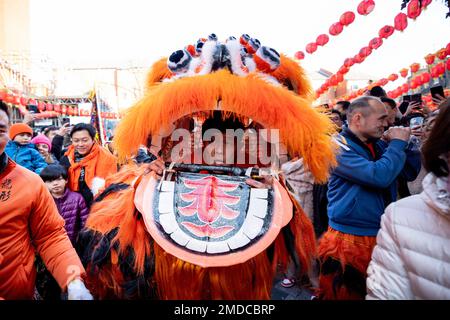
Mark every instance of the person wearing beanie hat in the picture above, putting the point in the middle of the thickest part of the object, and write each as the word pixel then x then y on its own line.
pixel 44 146
pixel 21 151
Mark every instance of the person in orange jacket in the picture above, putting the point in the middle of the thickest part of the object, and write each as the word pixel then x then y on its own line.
pixel 30 224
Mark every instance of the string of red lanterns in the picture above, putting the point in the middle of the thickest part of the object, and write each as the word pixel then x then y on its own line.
pixel 364 8
pixel 400 24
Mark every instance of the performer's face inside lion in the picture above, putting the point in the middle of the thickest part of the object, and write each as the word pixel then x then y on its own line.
pixel 219 220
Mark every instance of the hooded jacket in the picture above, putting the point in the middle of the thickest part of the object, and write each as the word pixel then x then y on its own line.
pixel 412 259
pixel 26 155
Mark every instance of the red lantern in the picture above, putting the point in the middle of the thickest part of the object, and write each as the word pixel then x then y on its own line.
pixel 375 43
pixel 405 88
pixel 51 107
pixel 392 77
pixel 335 29
pixel 425 3
pixel 41 106
pixel 343 70
pixel 365 52
pixel 414 67
pixel 32 102
pixel 63 109
pixel 75 111
pixel 429 58
pixel 322 40
pixel 447 65
pixel 70 110
pixel 400 21
pixel 404 72
pixel 434 73
pixel 57 108
pixel 9 98
pixel 414 9
pixel 349 62
pixel 358 59
pixel 347 18
pixel 299 55
pixel 440 67
pixel 366 7
pixel 383 81
pixel 425 77
pixel 442 54
pixel 386 31
pixel 447 48
pixel 414 84
pixel 23 101
pixel 2 94
pixel 339 78
pixel 311 47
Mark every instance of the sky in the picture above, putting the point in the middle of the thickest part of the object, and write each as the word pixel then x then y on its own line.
pixel 100 33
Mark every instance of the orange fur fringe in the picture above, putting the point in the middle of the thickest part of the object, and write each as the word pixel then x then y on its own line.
pixel 304 131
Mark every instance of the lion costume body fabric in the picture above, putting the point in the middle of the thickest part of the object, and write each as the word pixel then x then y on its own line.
pixel 129 245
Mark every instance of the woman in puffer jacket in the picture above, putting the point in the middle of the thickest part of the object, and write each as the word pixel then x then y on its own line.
pixel 412 259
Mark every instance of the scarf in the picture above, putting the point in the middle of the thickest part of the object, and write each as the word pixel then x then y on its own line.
pixel 97 163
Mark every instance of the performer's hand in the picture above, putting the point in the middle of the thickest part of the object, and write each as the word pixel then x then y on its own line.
pixel 156 166
pixel 77 291
pixel 265 183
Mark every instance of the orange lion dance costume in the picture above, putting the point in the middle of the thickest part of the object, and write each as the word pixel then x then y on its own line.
pixel 201 231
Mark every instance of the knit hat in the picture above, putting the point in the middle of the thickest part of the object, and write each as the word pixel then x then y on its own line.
pixel 19 128
pixel 42 139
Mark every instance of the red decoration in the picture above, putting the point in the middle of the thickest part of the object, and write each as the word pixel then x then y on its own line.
pixel 393 77
pixel 386 31
pixel 429 58
pixel 347 18
pixel 343 70
pixel 335 29
pixel 299 55
pixel 339 78
pixel 400 21
pixel 405 88
pixel 23 101
pixel 51 107
pixel 442 54
pixel 358 59
pixel 349 62
pixel 322 40
pixel 447 48
pixel 447 65
pixel 57 108
pixel 41 106
pixel 425 3
pixel 414 9
pixel 2 95
pixel 333 80
pixel 404 72
pixel 365 52
pixel 311 47
pixel 425 77
pixel 440 67
pixel 366 7
pixel 32 102
pixel 16 100
pixel 375 43
pixel 70 110
pixel 414 67
pixel 414 84
pixel 434 73
pixel 9 98
pixel 75 111
pixel 64 109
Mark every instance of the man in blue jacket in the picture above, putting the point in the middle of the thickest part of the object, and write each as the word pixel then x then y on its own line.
pixel 359 189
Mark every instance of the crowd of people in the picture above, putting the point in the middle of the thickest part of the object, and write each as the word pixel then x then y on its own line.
pixel 382 221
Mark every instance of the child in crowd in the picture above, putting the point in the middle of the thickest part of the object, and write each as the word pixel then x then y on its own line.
pixel 71 205
pixel 21 151
pixel 72 208
pixel 44 146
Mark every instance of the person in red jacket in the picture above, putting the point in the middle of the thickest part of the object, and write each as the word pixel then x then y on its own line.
pixel 30 223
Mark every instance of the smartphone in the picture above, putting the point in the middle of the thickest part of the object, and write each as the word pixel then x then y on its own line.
pixel 32 108
pixel 403 106
pixel 416 121
pixel 416 98
pixel 406 98
pixel 65 120
pixel 438 90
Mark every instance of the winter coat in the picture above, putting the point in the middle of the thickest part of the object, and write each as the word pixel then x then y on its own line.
pixel 26 155
pixel 72 208
pixel 412 258
pixel 30 224
pixel 361 186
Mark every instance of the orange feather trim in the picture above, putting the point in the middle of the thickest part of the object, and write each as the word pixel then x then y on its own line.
pixel 158 73
pixel 303 130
